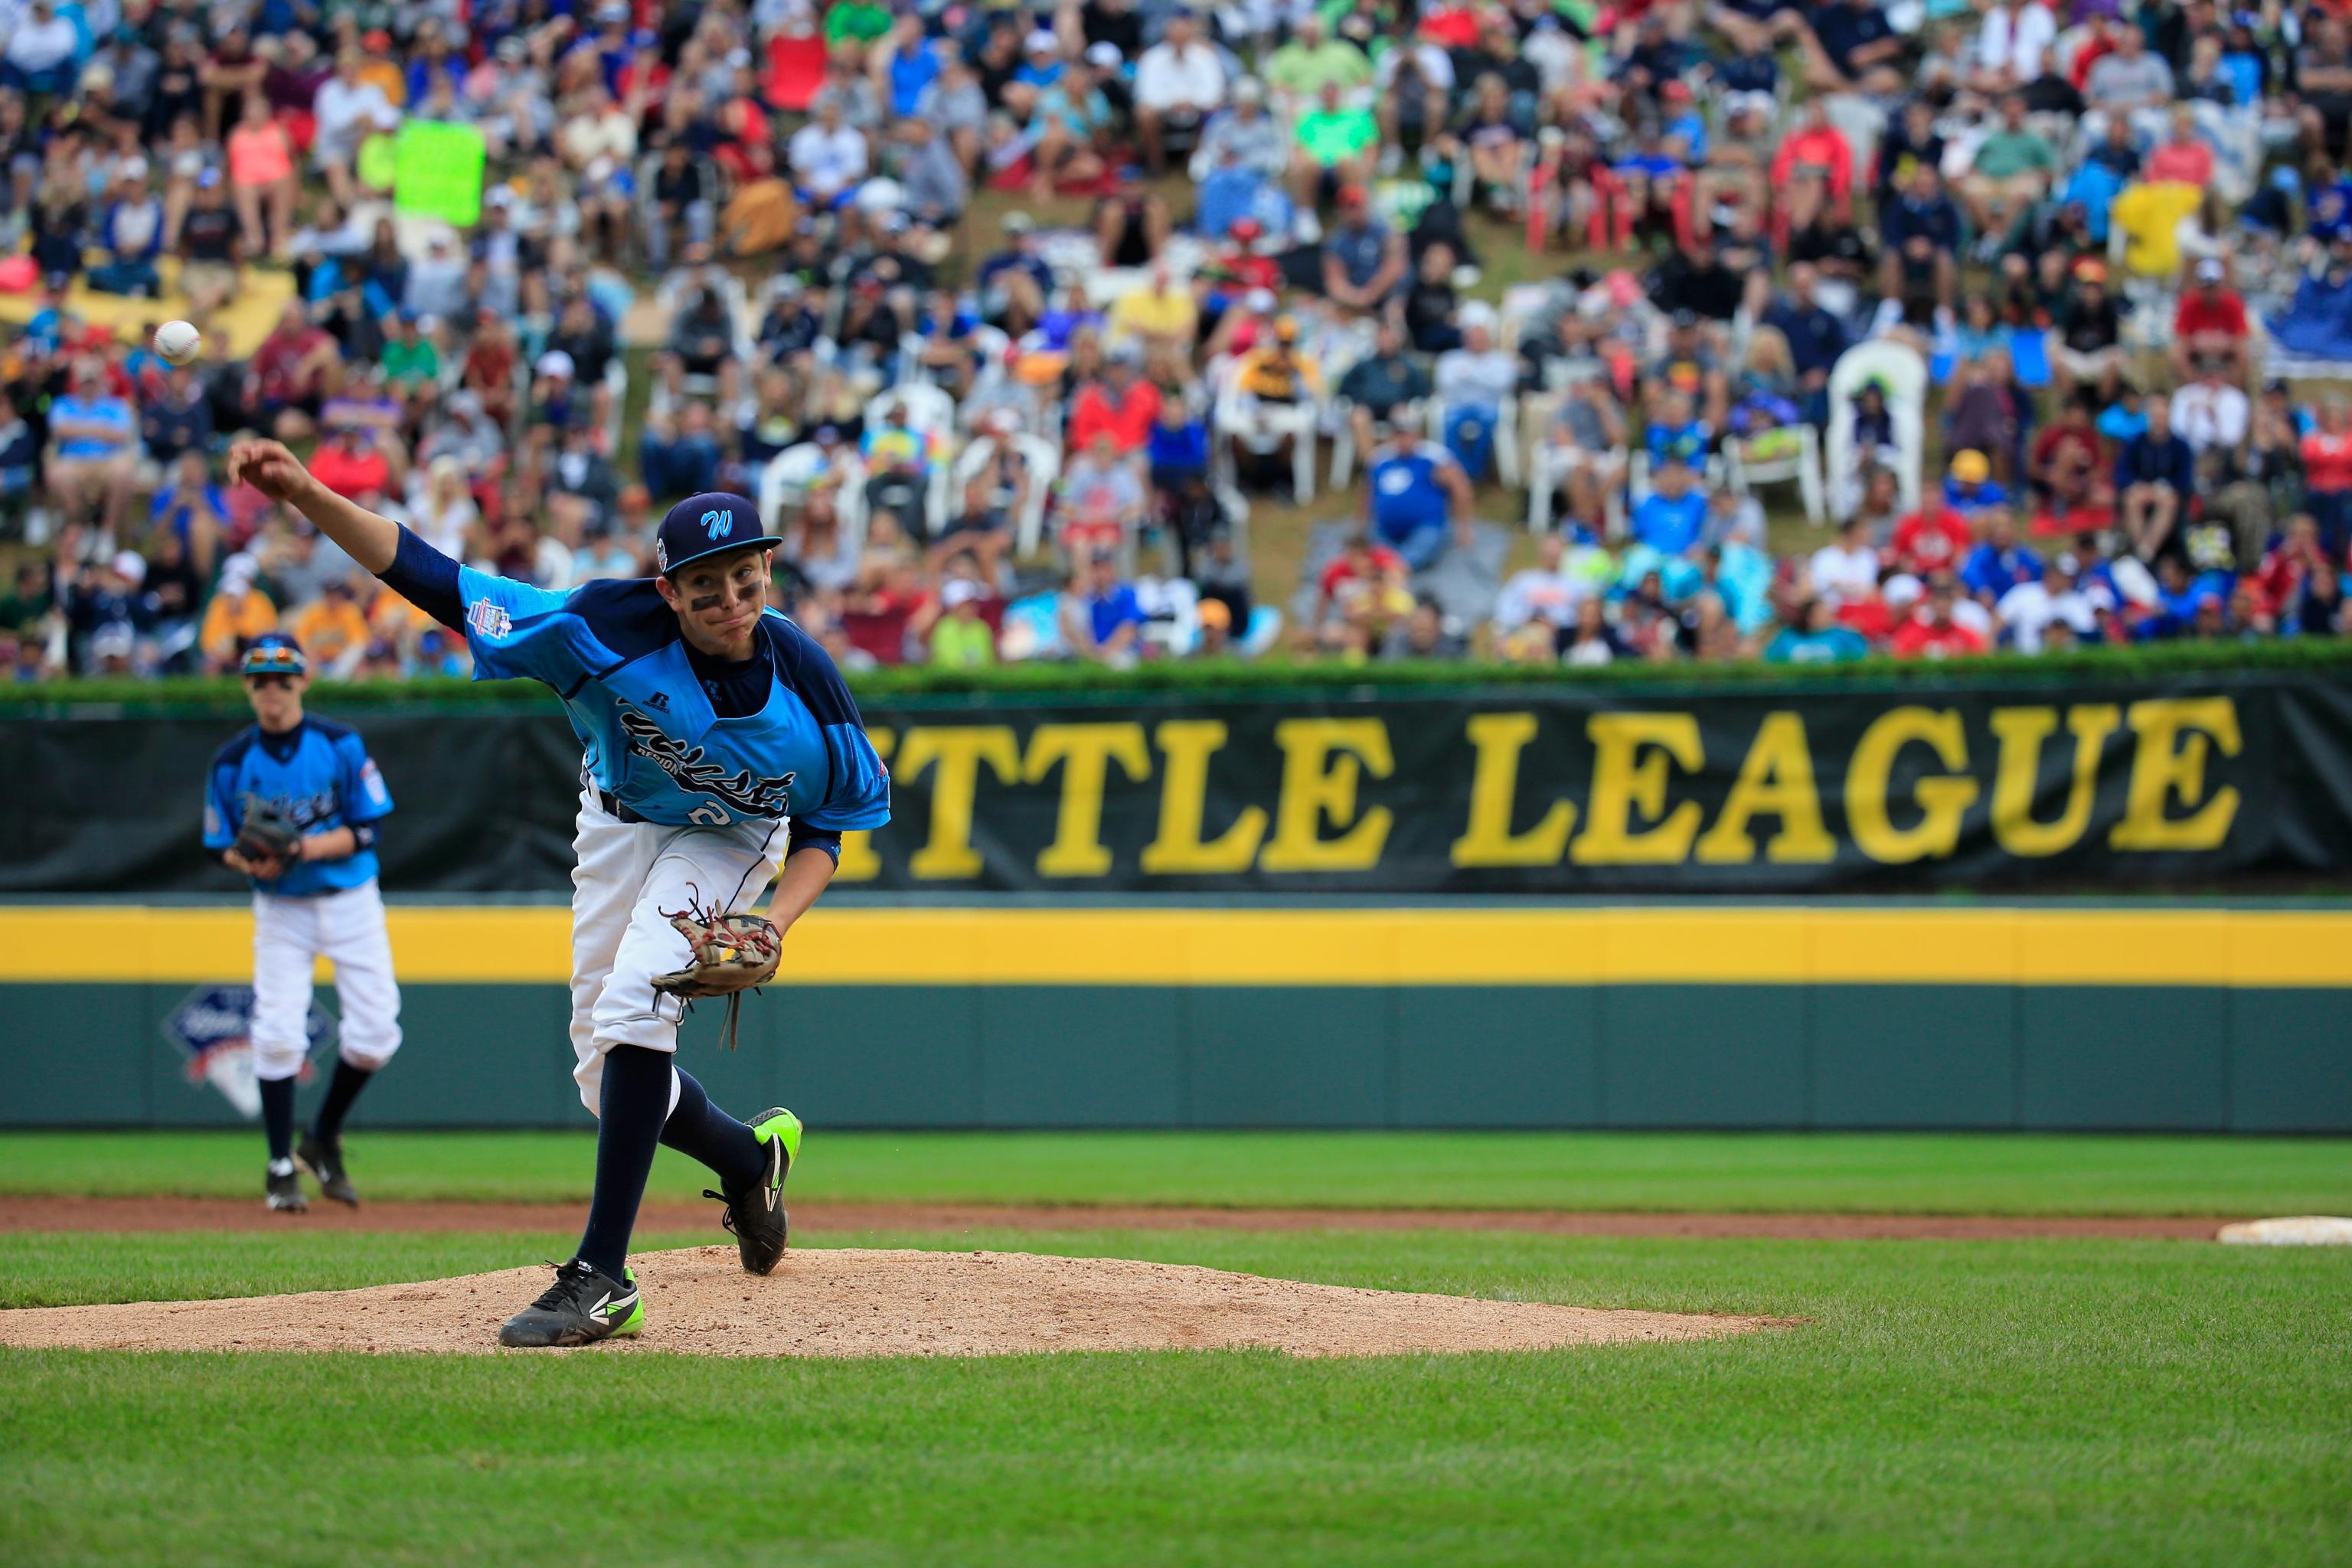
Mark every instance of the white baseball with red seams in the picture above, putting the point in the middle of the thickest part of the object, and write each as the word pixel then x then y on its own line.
pixel 177 342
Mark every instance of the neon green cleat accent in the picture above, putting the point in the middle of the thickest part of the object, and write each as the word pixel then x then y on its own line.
pixel 634 1324
pixel 781 1124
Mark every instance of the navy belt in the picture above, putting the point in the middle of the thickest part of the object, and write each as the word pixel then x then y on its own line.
pixel 613 805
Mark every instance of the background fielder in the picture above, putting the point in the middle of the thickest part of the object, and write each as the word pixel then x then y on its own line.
pixel 314 895
pixel 709 723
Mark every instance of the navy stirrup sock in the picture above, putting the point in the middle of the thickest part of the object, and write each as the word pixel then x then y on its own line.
pixel 635 1102
pixel 343 1088
pixel 278 1116
pixel 700 1130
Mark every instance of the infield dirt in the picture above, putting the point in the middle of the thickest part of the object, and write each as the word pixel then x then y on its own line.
pixel 856 1301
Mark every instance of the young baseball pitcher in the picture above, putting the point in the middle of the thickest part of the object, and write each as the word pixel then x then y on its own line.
pixel 721 750
pixel 293 804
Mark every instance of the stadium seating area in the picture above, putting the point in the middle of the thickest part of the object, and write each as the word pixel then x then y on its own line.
pixel 1363 331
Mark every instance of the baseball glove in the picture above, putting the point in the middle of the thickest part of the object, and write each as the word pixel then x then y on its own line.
pixel 731 955
pixel 266 835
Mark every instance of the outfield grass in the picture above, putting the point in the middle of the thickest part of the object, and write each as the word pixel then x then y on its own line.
pixel 1855 1173
pixel 2032 1402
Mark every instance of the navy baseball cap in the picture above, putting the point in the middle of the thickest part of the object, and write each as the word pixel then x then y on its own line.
pixel 709 524
pixel 273 653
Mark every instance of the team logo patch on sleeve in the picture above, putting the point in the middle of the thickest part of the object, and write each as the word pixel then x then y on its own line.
pixel 489 618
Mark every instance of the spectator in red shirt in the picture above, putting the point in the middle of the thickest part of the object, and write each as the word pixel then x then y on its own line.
pixel 1123 406
pixel 2210 325
pixel 1363 591
pixel 2185 158
pixel 2327 475
pixel 350 467
pixel 1931 632
pixel 291 374
pixel 2071 474
pixel 1812 167
pixel 1935 538
pixel 2278 583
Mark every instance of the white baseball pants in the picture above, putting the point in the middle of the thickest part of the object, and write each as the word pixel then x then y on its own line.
pixel 289 935
pixel 627 874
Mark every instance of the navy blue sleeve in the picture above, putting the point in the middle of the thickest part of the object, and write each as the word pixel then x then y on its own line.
pixel 825 838
pixel 859 796
pixel 427 579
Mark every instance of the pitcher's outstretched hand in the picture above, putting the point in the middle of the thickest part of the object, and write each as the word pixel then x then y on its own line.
pixel 268 467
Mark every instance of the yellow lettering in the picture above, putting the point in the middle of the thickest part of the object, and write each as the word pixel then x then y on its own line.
pixel 859 863
pixel 1084 752
pixel 1942 801
pixel 1323 759
pixel 1774 780
pixel 1493 791
pixel 956 750
pixel 2176 735
pixel 1179 850
pixel 2023 731
pixel 1630 752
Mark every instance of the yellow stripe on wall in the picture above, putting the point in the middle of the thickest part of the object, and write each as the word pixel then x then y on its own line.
pixel 1484 946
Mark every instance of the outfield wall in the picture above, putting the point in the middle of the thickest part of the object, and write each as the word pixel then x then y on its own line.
pixel 1492 1015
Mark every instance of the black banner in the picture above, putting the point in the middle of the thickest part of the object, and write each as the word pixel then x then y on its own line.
pixel 1568 789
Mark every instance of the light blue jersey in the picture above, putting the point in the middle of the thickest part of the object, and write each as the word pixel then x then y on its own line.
pixel 319 775
pixel 652 735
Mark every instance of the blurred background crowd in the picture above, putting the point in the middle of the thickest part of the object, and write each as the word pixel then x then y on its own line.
pixel 1361 329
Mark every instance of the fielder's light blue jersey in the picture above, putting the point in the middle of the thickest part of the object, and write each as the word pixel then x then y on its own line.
pixel 318 774
pixel 653 738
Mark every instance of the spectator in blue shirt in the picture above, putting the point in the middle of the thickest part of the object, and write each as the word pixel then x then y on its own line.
pixel 1921 228
pixel 1816 338
pixel 1673 516
pixel 97 438
pixel 1103 620
pixel 1999 563
pixel 1853 48
pixel 1418 495
pixel 1811 638
pixel 2155 474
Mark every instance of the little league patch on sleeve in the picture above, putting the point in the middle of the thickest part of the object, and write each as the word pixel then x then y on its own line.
pixel 489 618
pixel 372 783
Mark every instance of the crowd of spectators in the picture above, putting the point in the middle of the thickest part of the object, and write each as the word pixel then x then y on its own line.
pixel 2038 305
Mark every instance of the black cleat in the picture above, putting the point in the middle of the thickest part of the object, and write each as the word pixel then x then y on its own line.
pixel 324 1158
pixel 585 1305
pixel 283 1190
pixel 755 1214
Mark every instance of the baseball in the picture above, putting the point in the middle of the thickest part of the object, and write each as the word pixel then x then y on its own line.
pixel 177 342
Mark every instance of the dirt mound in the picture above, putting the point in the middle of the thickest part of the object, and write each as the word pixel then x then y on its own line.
pixel 862 1303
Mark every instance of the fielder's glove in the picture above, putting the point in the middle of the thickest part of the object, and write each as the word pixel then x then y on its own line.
pixel 267 839
pixel 730 955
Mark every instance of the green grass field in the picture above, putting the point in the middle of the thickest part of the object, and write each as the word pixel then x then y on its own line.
pixel 2032 1401
pixel 2044 1402
pixel 1851 1173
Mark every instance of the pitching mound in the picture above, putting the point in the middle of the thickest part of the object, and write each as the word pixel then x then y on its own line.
pixel 865 1302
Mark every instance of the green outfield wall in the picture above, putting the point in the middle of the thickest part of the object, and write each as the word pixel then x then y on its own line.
pixel 1756 1017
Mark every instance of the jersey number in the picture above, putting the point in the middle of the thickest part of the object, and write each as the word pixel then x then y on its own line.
pixel 709 815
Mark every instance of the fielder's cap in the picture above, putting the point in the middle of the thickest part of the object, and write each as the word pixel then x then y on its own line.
pixel 273 653
pixel 711 523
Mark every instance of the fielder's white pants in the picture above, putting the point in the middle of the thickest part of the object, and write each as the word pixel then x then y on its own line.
pixel 626 876
pixel 289 935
